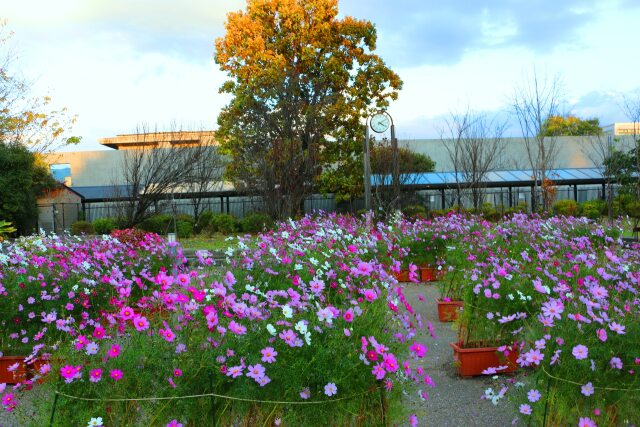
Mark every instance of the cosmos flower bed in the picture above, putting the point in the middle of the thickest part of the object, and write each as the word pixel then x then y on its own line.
pixel 301 326
pixel 564 293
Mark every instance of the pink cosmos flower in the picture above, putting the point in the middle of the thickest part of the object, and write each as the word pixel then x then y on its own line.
pixel 587 389
pixel 370 295
pixel 552 309
pixel 616 363
pixel 237 328
pixel 533 395
pixel 533 356
pixel 364 268
pixel 378 371
pixel 305 393
pixel 81 341
pixel 580 352
pixel 177 372
pixel 116 374
pixel 617 328
pixel 167 334
pixel 390 363
pixel 263 381
pixel 413 420
pixel 114 351
pixel 268 355
pixel 602 334
pixel 348 316
pixel 256 371
pixel 525 409
pixel 586 422
pixel 127 313
pixel 99 332
pixel 418 349
pixel 174 423
pixel 95 375
pixel 141 323
pixel 234 371
pixel 330 389
pixel 68 372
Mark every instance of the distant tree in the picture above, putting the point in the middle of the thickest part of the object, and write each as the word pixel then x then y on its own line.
pixel 152 175
pixel 474 143
pixel 535 102
pixel 625 166
pixel 205 176
pixel 410 164
pixel 22 179
pixel 24 118
pixel 571 126
pixel 302 80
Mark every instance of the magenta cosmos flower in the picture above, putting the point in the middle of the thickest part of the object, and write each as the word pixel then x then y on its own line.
pixel 418 349
pixel 116 374
pixel 95 375
pixel 114 351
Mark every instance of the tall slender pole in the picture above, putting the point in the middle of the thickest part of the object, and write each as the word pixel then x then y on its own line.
pixel 395 166
pixel 367 169
pixel 607 171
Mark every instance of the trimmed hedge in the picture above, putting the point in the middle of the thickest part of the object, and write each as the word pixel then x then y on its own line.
pixel 566 207
pixel 81 227
pixel 105 225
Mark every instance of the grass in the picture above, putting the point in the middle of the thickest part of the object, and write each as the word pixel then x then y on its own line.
pixel 215 242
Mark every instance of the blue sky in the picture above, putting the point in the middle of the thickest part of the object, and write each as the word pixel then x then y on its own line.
pixel 118 63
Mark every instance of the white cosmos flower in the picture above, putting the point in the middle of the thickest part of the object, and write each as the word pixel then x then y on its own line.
pixel 287 312
pixel 271 329
pixel 95 422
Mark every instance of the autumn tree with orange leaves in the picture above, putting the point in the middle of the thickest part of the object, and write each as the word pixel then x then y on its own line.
pixel 302 81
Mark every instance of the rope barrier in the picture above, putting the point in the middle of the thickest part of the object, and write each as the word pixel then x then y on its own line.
pixel 580 384
pixel 194 396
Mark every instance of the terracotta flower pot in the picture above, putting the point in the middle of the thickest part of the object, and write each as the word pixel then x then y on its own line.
pixel 472 361
pixel 402 276
pixel 19 375
pixel 448 310
pixel 428 274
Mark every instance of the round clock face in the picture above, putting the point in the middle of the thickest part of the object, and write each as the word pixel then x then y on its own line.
pixel 380 122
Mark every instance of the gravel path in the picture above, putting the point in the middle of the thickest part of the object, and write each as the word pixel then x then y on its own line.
pixel 454 401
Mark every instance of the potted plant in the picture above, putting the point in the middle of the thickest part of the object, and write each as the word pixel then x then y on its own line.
pixel 494 314
pixel 450 300
pixel 424 250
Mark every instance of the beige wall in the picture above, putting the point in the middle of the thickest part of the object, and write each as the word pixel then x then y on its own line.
pixel 89 168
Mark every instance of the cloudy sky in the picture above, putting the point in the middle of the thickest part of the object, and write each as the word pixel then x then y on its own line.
pixel 119 63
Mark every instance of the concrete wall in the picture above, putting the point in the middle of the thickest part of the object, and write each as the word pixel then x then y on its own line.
pixel 90 167
pixel 573 152
pixel 101 167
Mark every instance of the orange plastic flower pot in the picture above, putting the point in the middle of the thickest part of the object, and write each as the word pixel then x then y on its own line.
pixel 472 361
pixel 17 376
pixel 448 310
pixel 403 276
pixel 428 274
